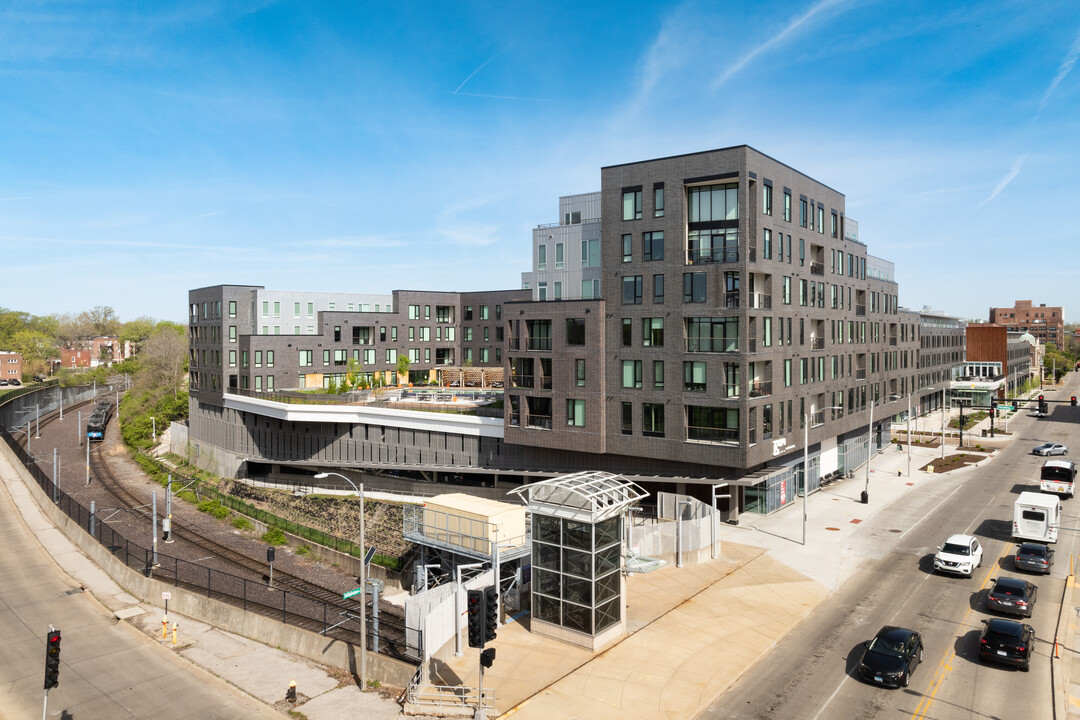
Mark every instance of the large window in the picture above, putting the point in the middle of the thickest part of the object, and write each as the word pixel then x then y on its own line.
pixel 631 373
pixel 631 290
pixel 653 246
pixel 575 331
pixel 652 419
pixel 590 253
pixel 539 334
pixel 658 289
pixel 575 413
pixel 717 245
pixel 305 358
pixel 631 203
pixel 652 332
pixel 712 334
pixel 694 376
pixel 714 202
pixel 694 287
pixel 710 424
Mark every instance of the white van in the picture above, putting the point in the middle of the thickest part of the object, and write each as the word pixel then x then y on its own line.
pixel 1036 517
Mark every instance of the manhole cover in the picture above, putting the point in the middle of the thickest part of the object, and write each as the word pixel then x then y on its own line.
pixel 833 529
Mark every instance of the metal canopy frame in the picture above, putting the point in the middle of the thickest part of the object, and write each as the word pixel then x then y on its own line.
pixel 592 496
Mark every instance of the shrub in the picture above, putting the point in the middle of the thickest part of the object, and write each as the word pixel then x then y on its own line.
pixel 188 496
pixel 304 550
pixel 274 536
pixel 241 523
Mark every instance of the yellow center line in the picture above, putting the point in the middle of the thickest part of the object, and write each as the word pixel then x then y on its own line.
pixel 946 665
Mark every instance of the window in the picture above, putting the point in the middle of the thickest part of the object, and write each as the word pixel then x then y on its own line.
pixel 590 289
pixel 821 219
pixel 627 248
pixel 627 418
pixel 244 358
pixel 579 372
pixel 311 309
pixel 232 333
pixel 414 312
pixel 766 199
pixel 802 292
pixel 631 373
pixel 468 334
pixel 653 243
pixel 787 206
pixel 766 244
pixel 541 289
pixel 652 420
pixel 590 253
pixel 714 202
pixel 575 331
pixel 558 290
pixel 265 308
pixel 802 213
pixel 340 357
pixel 694 287
pixel 269 358
pixel 709 424
pixel 712 334
pixel 694 376
pixel 305 358
pixel 658 374
pixel 631 203
pixel 652 332
pixel 232 358
pixel 731 380
pixel 802 251
pixel 232 308
pixel 766 331
pixel 658 200
pixel 657 289
pixel 785 290
pixel 483 312
pixel 766 422
pixel 575 413
pixel 541 257
pixel 631 290
pixel 560 260
pixel 787 372
pixel 325 357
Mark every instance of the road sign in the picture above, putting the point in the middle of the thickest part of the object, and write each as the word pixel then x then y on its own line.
pixel 166 596
pixel 351 593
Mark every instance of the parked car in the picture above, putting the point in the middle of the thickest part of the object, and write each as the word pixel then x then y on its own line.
pixel 40 378
pixel 3 382
pixel 1012 596
pixel 1051 449
pixel 960 555
pixel 14 381
pixel 1007 641
pixel 1035 557
pixel 891 657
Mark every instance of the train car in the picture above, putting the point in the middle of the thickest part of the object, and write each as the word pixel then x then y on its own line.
pixel 95 426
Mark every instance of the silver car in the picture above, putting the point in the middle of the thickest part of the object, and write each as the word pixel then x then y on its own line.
pixel 1051 449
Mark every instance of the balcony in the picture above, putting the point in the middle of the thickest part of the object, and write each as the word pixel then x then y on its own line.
pixel 715 255
pixel 540 343
pixel 860 373
pixel 713 435
pixel 759 301
pixel 731 299
pixel 817 268
pixel 761 389
pixel 892 341
pixel 817 343
pixel 817 419
pixel 540 421
pixel 860 310
pixel 717 345
pixel 514 343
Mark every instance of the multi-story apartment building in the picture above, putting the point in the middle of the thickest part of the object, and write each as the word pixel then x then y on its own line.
pixel 942 349
pixel 566 254
pixel 739 320
pixel 995 360
pixel 1045 324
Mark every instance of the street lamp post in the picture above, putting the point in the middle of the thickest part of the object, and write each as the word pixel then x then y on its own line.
pixel 909 427
pixel 363 579
pixel 806 465
pixel 869 446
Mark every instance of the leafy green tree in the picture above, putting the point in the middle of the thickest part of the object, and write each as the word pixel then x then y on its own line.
pixel 403 368
pixel 101 321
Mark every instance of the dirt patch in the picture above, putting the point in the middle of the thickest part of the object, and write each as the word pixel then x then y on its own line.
pixel 953 462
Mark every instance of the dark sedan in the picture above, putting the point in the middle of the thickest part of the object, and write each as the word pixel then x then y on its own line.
pixel 891 657
pixel 1007 641
pixel 1034 557
pixel 1013 596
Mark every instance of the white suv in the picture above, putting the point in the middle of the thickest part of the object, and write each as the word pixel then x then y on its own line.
pixel 960 555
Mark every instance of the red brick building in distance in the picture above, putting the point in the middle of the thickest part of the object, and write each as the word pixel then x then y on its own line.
pixel 11 365
pixel 1045 324
pixel 75 358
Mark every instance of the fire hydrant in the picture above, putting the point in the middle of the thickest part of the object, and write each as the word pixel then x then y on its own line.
pixel 164 626
pixel 175 627
pixel 290 694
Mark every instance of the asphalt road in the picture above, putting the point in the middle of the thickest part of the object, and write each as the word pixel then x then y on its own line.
pixel 812 673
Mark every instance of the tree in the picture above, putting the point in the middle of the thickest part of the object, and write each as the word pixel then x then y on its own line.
pixel 352 373
pixel 403 368
pixel 164 357
pixel 100 321
pixel 137 331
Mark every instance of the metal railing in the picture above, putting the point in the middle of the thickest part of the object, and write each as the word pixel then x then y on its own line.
pixel 715 255
pixel 731 299
pixel 860 310
pixel 713 435
pixel 721 344
pixel 817 343
pixel 761 389
pixel 817 268
pixel 759 301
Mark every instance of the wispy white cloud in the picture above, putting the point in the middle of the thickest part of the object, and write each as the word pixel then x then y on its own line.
pixel 780 38
pixel 1063 70
pixel 1009 176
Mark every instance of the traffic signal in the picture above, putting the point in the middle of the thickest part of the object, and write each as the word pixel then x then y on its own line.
pixel 491 613
pixel 52 659
pixel 487 657
pixel 1040 399
pixel 1072 400
pixel 476 601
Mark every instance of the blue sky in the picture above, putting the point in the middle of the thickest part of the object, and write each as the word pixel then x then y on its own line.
pixel 150 148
